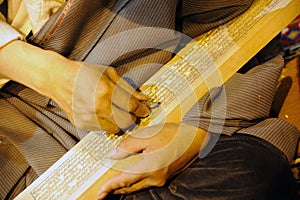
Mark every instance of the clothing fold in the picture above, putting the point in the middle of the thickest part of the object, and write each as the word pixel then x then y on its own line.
pixel 85 30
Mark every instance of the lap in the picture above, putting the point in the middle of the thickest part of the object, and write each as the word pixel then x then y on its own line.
pixel 238 167
pixel 214 171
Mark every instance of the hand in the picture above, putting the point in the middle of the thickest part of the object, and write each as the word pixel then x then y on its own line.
pixel 165 151
pixel 101 99
pixel 93 97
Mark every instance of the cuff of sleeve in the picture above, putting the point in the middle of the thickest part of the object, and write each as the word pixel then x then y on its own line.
pixel 8 34
pixel 3 82
pixel 278 132
pixel 219 126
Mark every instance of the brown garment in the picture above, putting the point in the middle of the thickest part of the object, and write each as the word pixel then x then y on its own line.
pixel 36 131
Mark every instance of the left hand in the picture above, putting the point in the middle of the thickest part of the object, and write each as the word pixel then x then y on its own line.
pixel 165 150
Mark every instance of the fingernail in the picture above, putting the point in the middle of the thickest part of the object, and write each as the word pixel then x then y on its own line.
pixel 154 105
pixel 146 112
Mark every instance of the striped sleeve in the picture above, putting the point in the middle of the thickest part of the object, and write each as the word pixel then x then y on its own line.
pixel 242 105
pixel 201 16
pixel 11 160
pixel 281 134
pixel 241 102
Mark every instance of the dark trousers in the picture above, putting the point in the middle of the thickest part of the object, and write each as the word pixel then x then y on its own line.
pixel 239 167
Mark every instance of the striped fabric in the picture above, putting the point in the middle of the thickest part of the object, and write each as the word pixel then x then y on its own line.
pixel 36 129
pixel 14 162
pixel 247 100
pixel 199 17
pixel 28 178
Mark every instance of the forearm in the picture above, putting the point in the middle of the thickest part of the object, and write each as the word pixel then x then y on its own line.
pixel 196 145
pixel 34 67
pixel 87 103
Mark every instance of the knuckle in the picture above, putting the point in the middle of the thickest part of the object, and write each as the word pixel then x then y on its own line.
pixel 124 184
pixel 107 126
pixel 112 129
pixel 104 87
pixel 133 105
pixel 161 181
pixel 123 191
pixel 111 70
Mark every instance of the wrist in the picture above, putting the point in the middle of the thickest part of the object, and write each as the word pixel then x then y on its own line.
pixel 61 82
pixel 46 72
pixel 59 75
pixel 26 64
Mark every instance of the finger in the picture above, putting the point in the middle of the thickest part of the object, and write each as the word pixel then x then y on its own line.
pixel 139 185
pixel 115 115
pixel 117 182
pixel 121 118
pixel 138 108
pixel 127 87
pixel 138 142
pixel 127 147
pixel 116 78
pixel 118 154
pixel 106 125
pixel 129 103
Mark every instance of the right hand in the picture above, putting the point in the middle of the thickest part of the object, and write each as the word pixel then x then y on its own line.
pixel 98 98
pixel 101 99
